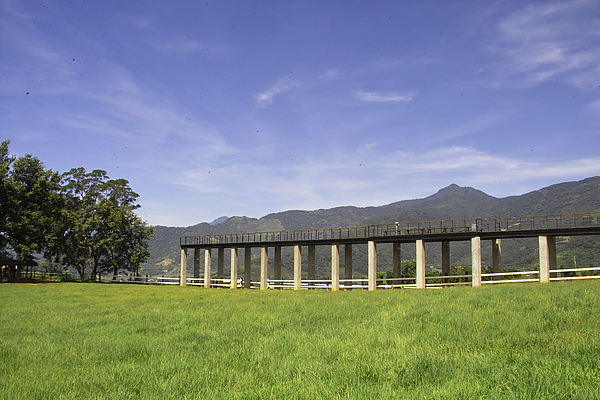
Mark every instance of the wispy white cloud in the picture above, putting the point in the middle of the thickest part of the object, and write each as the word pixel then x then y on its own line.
pixel 266 96
pixel 551 41
pixel 180 45
pixel 479 125
pixel 113 106
pixel 342 179
pixel 373 97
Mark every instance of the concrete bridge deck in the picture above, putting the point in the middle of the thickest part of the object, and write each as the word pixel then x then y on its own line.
pixel 546 227
pixel 405 232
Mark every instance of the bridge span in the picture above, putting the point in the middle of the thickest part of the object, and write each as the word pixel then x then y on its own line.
pixel 545 227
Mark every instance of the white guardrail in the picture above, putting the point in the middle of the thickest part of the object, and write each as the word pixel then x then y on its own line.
pixel 382 283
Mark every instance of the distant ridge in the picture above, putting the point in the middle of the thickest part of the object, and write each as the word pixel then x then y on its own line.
pixel 451 202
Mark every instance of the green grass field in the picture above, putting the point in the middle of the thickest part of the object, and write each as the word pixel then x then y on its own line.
pixel 109 341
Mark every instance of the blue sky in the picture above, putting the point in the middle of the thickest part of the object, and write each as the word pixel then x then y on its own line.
pixel 214 108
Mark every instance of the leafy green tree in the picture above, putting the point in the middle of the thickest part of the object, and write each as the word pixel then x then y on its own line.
pixel 103 232
pixel 5 162
pixel 409 269
pixel 126 238
pixel 31 204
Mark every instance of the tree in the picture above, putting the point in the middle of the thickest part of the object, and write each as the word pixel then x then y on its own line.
pixel 5 162
pixel 31 205
pixel 409 268
pixel 126 238
pixel 103 232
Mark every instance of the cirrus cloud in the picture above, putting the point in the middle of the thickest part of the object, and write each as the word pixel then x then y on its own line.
pixel 266 96
pixel 373 97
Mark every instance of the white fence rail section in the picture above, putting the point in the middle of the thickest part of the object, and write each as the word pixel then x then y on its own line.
pixel 572 271
pixel 382 283
pixel 525 277
pixel 150 280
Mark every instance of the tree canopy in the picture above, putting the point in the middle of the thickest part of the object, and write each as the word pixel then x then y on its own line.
pixel 79 219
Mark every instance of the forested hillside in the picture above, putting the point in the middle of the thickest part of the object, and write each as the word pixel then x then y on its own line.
pixel 452 202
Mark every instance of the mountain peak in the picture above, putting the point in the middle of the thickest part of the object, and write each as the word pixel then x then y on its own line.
pixel 453 187
pixel 219 220
pixel 460 190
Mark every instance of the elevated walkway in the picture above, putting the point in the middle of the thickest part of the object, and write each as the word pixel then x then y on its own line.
pixel 545 227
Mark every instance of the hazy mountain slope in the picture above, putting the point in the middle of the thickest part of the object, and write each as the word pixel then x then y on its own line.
pixel 562 198
pixel 452 202
pixel 325 218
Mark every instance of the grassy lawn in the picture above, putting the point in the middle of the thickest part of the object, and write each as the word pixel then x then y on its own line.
pixel 73 340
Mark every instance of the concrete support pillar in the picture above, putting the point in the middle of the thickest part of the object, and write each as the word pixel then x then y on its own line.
pixel 247 267
pixel 234 268
pixel 396 261
pixel 547 257
pixel 372 265
pixel 311 263
pixel 277 265
pixel 476 261
pixel 196 263
pixel 264 268
pixel 348 263
pixel 183 268
pixel 207 267
pixel 496 256
pixel 335 267
pixel 420 254
pixel 220 261
pixel 445 258
pixel 297 267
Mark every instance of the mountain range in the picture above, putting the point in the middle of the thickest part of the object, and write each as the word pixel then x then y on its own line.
pixel 452 202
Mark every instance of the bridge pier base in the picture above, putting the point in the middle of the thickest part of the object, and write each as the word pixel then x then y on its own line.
pixel 372 265
pixel 335 267
pixel 247 267
pixel 497 256
pixel 207 267
pixel 396 260
pixel 297 267
pixel 348 263
pixel 264 268
pixel 311 263
pixel 277 265
pixel 445 258
pixel 196 263
pixel 234 268
pixel 183 268
pixel 476 261
pixel 420 255
pixel 547 257
pixel 220 261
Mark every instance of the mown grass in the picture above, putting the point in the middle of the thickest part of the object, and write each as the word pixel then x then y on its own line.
pixel 70 340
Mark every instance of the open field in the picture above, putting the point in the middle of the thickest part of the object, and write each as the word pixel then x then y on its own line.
pixel 73 340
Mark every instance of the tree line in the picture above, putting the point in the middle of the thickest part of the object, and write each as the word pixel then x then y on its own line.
pixel 78 219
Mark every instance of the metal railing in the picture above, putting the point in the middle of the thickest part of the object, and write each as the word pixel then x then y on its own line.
pixel 540 222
